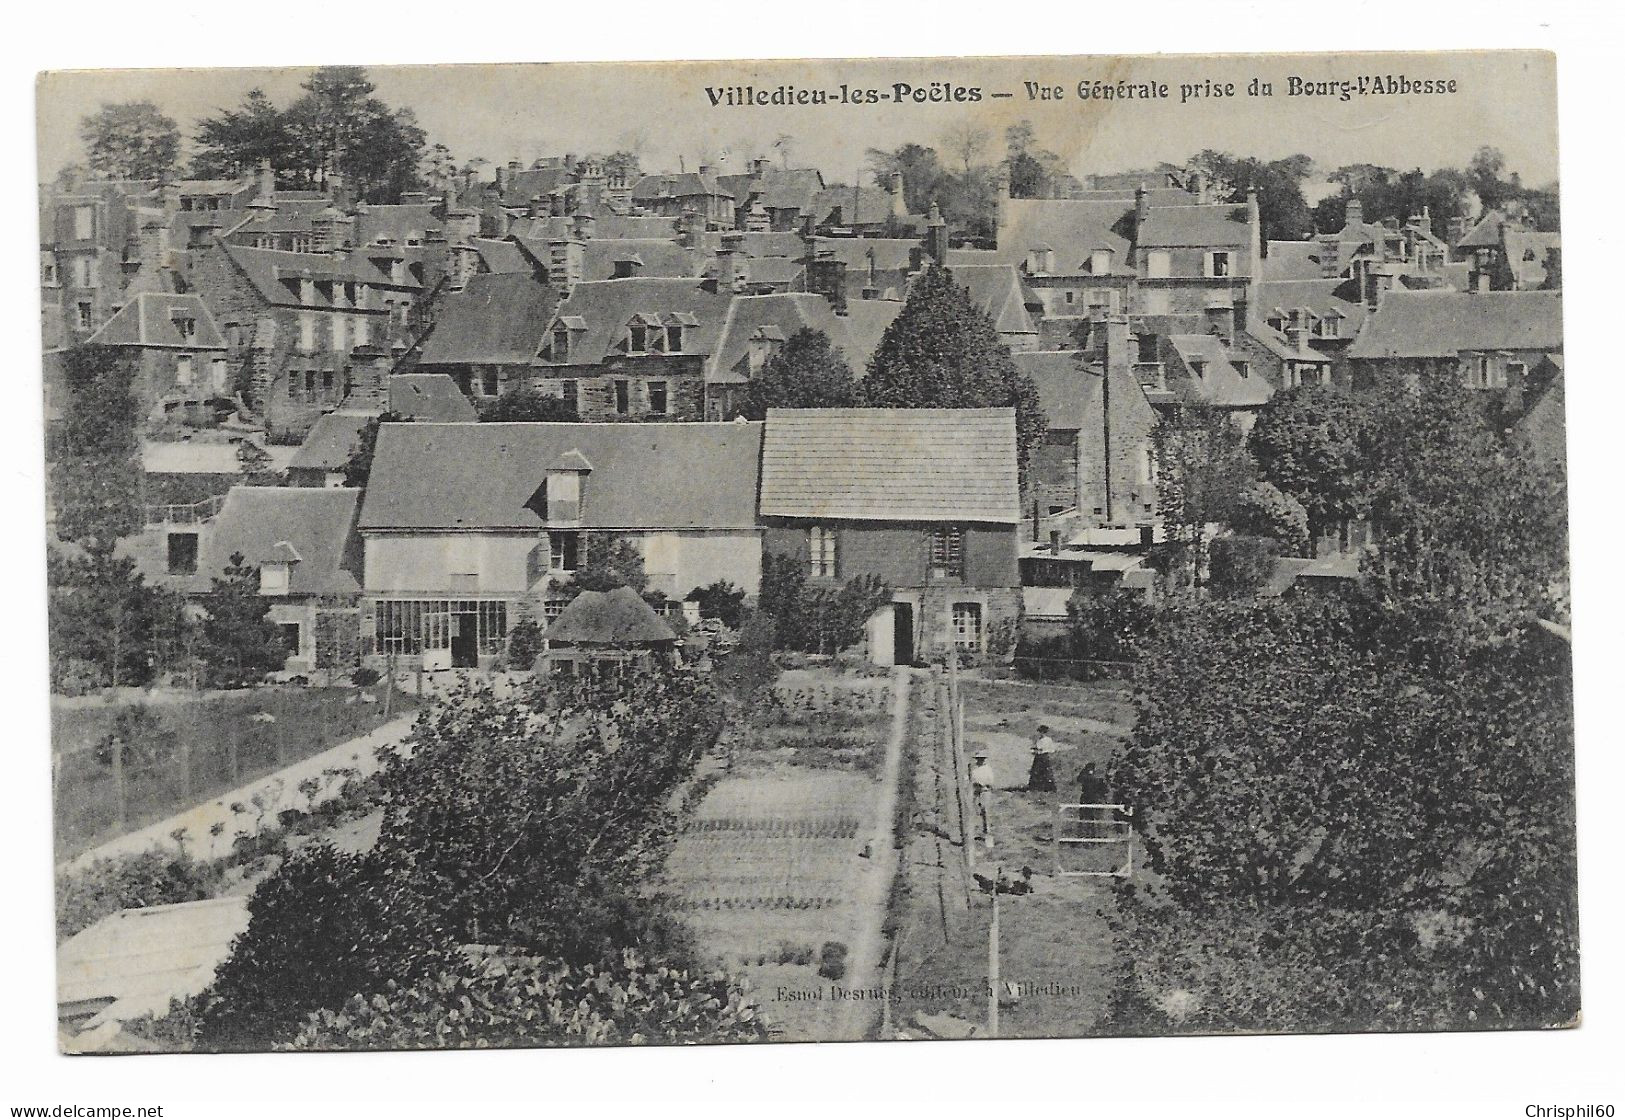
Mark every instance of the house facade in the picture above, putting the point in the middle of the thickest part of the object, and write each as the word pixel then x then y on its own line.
pixel 925 500
pixel 469 528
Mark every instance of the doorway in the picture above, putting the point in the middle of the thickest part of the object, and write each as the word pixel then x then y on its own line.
pixel 465 642
pixel 902 633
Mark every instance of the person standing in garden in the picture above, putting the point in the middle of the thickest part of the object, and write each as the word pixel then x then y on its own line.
pixel 1041 778
pixel 981 780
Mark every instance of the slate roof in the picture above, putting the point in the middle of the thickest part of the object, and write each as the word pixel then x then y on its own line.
pixel 330 443
pixel 778 188
pixel 880 464
pixel 1526 255
pixel 857 206
pixel 856 334
pixel 141 958
pixel 609 618
pixel 275 273
pixel 655 257
pixel 149 320
pixel 606 226
pixel 1220 384
pixel 892 254
pixel 1441 324
pixel 430 397
pixel 1066 385
pixel 1320 296
pixel 1292 260
pixel 1071 228
pixel 760 244
pixel 607 306
pixel 499 318
pixel 996 289
pixel 398 222
pixel 523 185
pixel 682 185
pixel 1486 234
pixel 490 476
pixel 501 256
pixel 317 522
pixel 1223 225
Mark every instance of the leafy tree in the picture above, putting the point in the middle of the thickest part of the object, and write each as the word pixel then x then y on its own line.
pixel 102 612
pixel 720 600
pixel 816 619
pixel 943 352
pixel 1202 470
pixel 808 372
pixel 527 405
pixel 130 140
pixel 237 141
pixel 240 641
pixel 610 562
pixel 1033 170
pixel 1484 178
pixel 327 925
pixel 526 1001
pixel 1386 194
pixel 1240 565
pixel 335 126
pixel 921 170
pixel 1307 445
pixel 1113 626
pixel 96 450
pixel 1263 511
pixel 1282 211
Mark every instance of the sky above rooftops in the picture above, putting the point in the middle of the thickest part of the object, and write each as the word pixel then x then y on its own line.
pixel 664 108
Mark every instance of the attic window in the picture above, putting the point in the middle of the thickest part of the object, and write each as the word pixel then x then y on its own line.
pixel 1218 264
pixel 1100 261
pixel 674 338
pixel 186 325
pixel 637 341
pixel 561 344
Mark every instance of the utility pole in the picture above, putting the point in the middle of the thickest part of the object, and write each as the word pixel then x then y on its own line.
pixel 993 961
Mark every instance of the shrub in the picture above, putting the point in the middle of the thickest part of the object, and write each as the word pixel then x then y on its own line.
pixel 832 960
pixel 720 600
pixel 1109 627
pixel 1240 566
pixel 1264 511
pixel 74 676
pixel 151 878
pixel 524 644
pixel 365 677
pixel 146 740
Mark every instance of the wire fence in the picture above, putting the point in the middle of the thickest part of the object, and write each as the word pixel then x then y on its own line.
pixel 120 767
pixel 1072 669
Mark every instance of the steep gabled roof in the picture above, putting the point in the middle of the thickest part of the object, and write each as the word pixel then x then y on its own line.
pixel 430 397
pixel 501 256
pixel 331 441
pixel 317 523
pixel 882 464
pixel 1292 260
pixel 654 257
pixel 1072 229
pixel 856 334
pixel 1486 234
pixel 1441 324
pixel 1323 297
pixel 1220 384
pixel 275 273
pixel 609 618
pixel 996 290
pixel 489 476
pixel 682 185
pixel 1066 384
pixel 1224 225
pixel 499 318
pixel 605 307
pixel 150 319
pixel 856 205
pixel 400 222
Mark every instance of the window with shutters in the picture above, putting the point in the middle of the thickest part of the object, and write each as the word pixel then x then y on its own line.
pixel 822 557
pixel 948 552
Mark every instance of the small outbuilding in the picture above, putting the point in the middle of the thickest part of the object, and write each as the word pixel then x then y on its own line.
pixel 606 631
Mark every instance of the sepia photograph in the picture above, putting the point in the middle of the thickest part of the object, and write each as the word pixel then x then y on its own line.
pixel 875 549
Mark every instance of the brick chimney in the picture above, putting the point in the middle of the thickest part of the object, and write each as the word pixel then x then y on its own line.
pixel 936 235
pixel 732 265
pixel 267 177
pixel 1142 209
pixel 1353 213
pixel 538 207
pixel 690 228
pixel 581 226
pixel 826 276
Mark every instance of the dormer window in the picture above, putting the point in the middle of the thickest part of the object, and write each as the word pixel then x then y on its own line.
pixel 674 339
pixel 637 339
pixel 186 325
pixel 561 345
pixel 1100 261
pixel 276 570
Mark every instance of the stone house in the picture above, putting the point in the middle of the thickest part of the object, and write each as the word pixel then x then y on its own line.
pixel 469 528
pixel 486 336
pixel 176 355
pixel 926 500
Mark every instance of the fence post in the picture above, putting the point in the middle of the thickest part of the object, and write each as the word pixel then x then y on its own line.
pixel 993 962
pixel 121 795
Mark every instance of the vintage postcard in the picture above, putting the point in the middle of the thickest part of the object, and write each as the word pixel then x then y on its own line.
pixel 693 552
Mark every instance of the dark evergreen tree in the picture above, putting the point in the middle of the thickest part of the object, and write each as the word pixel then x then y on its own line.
pixel 96 450
pixel 240 642
pixel 807 373
pixel 942 352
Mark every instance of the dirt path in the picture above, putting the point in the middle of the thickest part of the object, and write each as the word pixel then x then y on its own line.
pixel 276 791
pixel 874 890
